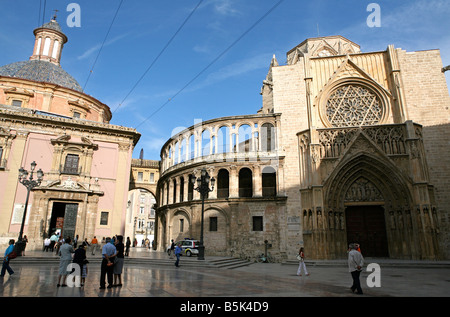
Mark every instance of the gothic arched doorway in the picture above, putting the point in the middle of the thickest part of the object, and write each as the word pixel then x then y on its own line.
pixel 366 189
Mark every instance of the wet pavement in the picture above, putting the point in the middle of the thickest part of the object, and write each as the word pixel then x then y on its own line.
pixel 258 280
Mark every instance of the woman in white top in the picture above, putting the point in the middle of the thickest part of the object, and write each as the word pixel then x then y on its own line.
pixel 301 256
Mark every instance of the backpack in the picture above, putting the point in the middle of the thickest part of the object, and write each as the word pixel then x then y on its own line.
pixel 12 255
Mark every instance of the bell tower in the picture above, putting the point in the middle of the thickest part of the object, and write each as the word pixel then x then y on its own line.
pixel 49 42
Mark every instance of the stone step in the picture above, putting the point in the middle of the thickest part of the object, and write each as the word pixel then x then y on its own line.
pixel 230 263
pixel 225 263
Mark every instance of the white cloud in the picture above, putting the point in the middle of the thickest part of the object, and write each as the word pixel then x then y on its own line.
pixel 151 144
pixel 226 7
pixel 97 47
pixel 240 68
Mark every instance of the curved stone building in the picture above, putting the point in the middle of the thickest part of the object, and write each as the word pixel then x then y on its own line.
pixel 248 200
pixel 46 117
pixel 347 147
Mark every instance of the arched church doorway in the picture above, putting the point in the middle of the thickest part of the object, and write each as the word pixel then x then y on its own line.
pixel 366 226
pixel 367 191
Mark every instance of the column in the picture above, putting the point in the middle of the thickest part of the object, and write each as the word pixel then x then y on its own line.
pixel 234 182
pixel 257 181
pixel 186 187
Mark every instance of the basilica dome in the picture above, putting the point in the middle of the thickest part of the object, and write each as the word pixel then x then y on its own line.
pixel 40 71
pixel 44 64
pixel 41 84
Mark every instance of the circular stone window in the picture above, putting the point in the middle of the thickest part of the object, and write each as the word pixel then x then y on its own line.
pixel 354 105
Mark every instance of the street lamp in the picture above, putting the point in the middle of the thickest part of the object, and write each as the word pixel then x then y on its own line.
pixel 29 183
pixel 203 188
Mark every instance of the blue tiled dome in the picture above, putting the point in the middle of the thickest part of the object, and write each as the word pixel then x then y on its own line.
pixel 52 25
pixel 40 71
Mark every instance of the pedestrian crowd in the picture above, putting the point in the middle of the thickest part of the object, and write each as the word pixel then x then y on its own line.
pixel 73 259
pixel 114 250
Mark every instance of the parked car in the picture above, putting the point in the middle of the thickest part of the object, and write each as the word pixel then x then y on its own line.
pixel 189 246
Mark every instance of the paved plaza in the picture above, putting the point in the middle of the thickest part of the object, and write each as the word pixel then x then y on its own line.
pixel 161 279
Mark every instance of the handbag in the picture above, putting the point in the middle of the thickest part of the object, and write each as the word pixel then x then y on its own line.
pixel 299 257
pixel 12 255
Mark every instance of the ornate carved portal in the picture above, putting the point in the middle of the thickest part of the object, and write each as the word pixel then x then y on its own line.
pixel 373 177
pixel 375 201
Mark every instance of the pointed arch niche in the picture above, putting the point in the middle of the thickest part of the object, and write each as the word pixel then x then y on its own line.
pixel 363 200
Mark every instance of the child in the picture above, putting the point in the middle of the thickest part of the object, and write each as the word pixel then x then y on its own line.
pixel 84 272
pixel 302 263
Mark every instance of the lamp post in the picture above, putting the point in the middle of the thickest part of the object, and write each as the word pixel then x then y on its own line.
pixel 203 188
pixel 29 183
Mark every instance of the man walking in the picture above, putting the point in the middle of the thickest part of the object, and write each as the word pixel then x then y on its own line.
pixel 6 258
pixel 355 264
pixel 178 254
pixel 94 244
pixel 172 249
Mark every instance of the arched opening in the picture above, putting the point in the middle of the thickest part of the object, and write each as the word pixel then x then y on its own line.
pixel 245 138
pixel 360 197
pixel 191 187
pixel 55 49
pixel 183 151
pixel 191 147
pixel 245 182
pixel 176 153
pixel 140 216
pixel 223 140
pixel 267 137
pixel 181 189
pixel 167 193
pixel 223 184
pixel 206 143
pixel 269 182
pixel 174 191
pixel 46 50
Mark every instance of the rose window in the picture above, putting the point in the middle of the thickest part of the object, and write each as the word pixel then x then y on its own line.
pixel 353 105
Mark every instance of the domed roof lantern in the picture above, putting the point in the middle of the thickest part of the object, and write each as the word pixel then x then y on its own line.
pixel 44 64
pixel 49 42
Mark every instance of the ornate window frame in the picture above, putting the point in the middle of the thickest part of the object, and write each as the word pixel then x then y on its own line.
pixel 22 95
pixel 64 146
pixel 374 88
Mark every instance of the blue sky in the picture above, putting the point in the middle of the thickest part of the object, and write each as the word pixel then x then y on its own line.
pixel 220 56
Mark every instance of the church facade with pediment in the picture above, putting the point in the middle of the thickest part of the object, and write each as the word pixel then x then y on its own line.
pixel 369 162
pixel 46 117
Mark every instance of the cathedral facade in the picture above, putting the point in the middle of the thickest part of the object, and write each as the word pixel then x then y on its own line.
pixel 46 117
pixel 348 147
